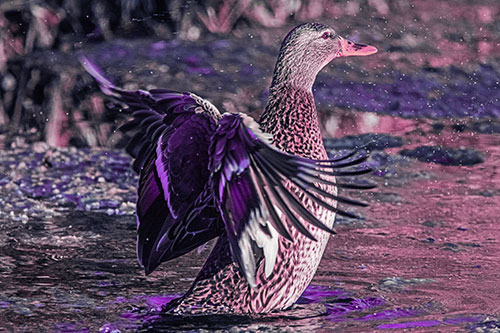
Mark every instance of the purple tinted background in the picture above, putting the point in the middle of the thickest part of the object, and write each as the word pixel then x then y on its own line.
pixel 426 254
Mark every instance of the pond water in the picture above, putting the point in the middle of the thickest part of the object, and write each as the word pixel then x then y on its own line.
pixel 424 257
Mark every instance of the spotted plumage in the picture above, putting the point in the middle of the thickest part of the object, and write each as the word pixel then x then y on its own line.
pixel 267 190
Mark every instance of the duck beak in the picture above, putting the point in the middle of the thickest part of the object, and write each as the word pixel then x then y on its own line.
pixel 350 48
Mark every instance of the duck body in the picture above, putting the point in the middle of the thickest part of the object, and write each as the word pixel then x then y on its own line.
pixel 221 287
pixel 267 190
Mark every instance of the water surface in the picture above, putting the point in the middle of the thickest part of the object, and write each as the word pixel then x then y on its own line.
pixel 425 256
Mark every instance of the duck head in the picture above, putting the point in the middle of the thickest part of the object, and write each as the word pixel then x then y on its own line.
pixel 307 49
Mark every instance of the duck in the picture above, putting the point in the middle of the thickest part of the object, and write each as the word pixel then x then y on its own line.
pixel 266 189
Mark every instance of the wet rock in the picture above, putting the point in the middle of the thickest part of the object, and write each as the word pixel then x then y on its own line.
pixel 40 147
pixel 421 95
pixel 342 307
pixel 437 127
pixel 69 181
pixel 488 126
pixel 385 165
pixel 487 193
pixel 488 325
pixel 368 142
pixel 396 283
pixel 4 179
pixel 431 224
pixel 393 314
pixel 419 324
pixel 451 247
pixel 458 127
pixel 388 197
pixel 347 221
pixel 68 200
pixel 470 244
pixel 444 155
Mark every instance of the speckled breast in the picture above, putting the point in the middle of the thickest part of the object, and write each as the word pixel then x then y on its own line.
pixel 221 288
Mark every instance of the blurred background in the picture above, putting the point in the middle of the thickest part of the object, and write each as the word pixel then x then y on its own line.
pixel 425 254
pixel 437 59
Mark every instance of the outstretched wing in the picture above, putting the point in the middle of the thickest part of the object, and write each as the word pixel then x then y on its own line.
pixel 175 207
pixel 170 137
pixel 249 177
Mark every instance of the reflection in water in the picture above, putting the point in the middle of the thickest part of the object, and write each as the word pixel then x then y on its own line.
pixel 339 123
pixel 426 254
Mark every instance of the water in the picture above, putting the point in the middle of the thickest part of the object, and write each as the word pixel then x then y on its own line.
pixel 425 256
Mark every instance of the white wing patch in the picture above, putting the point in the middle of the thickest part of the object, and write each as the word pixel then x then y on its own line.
pixel 267 241
pixel 271 251
pixel 247 257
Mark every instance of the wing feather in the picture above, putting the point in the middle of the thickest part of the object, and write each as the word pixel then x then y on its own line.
pixel 202 174
pixel 251 183
pixel 170 137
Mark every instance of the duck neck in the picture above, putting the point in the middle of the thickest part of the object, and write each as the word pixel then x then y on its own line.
pixel 291 117
pixel 286 71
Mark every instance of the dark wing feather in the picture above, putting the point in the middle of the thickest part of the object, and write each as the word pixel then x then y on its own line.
pixel 178 167
pixel 249 182
pixel 170 137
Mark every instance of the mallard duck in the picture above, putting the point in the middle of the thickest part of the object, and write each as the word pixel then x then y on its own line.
pixel 266 189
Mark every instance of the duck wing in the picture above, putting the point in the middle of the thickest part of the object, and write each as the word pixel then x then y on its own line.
pixel 170 138
pixel 175 206
pixel 202 174
pixel 249 179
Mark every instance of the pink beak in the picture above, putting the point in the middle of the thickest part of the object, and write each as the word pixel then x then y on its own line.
pixel 349 48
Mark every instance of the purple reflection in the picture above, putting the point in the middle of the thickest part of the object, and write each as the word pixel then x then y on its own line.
pixel 461 320
pixel 137 316
pixel 430 323
pixel 391 314
pixel 155 303
pixel 159 46
pixel 220 44
pixel 70 327
pixel 346 306
pixel 317 294
pixel 108 328
pixel 423 323
pixel 204 70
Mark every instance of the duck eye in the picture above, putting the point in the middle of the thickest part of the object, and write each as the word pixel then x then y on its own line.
pixel 326 35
